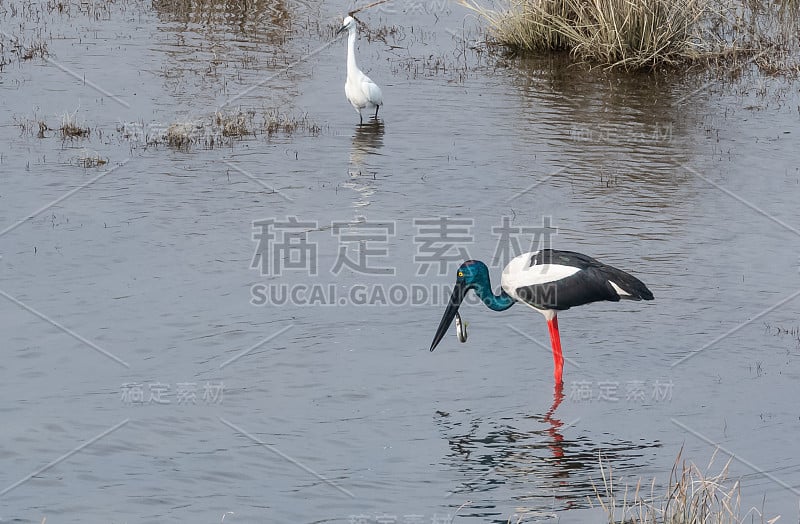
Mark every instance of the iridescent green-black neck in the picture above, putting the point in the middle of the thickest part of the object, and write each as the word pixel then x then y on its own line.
pixel 474 274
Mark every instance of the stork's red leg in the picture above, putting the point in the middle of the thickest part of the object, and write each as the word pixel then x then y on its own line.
pixel 558 358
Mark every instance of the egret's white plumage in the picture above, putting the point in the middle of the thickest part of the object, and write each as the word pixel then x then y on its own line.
pixel 361 91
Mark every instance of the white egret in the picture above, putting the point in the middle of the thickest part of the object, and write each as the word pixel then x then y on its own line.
pixel 360 90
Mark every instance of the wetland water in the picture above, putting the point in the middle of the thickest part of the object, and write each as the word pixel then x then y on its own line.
pixel 145 379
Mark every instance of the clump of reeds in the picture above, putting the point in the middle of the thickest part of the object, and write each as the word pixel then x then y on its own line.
pixel 276 121
pixel 693 496
pixel 646 34
pixel 91 159
pixel 181 135
pixel 629 33
pixel 785 64
pixel 36 49
pixel 233 125
pixel 71 128
pixel 219 129
pixel 27 126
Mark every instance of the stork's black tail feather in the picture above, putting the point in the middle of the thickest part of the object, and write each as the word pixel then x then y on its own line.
pixel 628 283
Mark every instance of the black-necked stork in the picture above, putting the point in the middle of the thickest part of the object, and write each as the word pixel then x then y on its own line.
pixel 549 281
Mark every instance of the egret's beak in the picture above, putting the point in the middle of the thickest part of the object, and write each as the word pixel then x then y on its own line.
pixel 459 292
pixel 341 29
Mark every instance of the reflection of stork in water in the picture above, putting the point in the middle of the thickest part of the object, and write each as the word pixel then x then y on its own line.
pixel 488 452
pixel 556 445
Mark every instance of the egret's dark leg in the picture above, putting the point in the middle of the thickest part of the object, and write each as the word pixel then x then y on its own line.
pixel 558 357
pixel 360 118
pixel 376 111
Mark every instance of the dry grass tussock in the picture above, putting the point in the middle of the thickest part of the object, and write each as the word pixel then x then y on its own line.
pixel 27 126
pixel 89 159
pixel 276 121
pixel 37 49
pixel 629 33
pixel 224 127
pixel 71 127
pixel 693 496
pixel 636 34
pixel 181 135
pixel 233 125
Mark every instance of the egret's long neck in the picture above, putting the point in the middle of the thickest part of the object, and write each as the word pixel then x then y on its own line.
pixel 351 52
pixel 483 288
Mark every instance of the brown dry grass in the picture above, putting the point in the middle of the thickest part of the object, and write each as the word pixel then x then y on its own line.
pixel 641 34
pixel 629 33
pixel 233 125
pixel 693 496
pixel 71 127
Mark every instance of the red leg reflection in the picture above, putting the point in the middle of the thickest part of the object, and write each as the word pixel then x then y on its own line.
pixel 555 424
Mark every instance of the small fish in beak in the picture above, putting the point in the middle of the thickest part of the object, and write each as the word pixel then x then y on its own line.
pixel 461 329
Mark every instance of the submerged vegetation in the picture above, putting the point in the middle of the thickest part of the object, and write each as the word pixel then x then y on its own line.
pixel 91 159
pixel 233 125
pixel 693 496
pixel 216 130
pixel 221 129
pixel 645 34
pixel 276 121
pixel 70 127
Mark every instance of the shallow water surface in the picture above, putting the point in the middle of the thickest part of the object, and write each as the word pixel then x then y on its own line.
pixel 158 368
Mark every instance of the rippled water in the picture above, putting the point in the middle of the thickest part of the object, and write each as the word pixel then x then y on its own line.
pixel 137 277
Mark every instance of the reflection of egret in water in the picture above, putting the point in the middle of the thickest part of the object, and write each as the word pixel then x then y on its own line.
pixel 367 141
pixel 543 469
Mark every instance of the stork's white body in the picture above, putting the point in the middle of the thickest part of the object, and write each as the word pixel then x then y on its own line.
pixel 549 281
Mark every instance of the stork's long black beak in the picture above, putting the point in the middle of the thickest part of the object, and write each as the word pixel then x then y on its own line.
pixel 459 292
pixel 340 29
